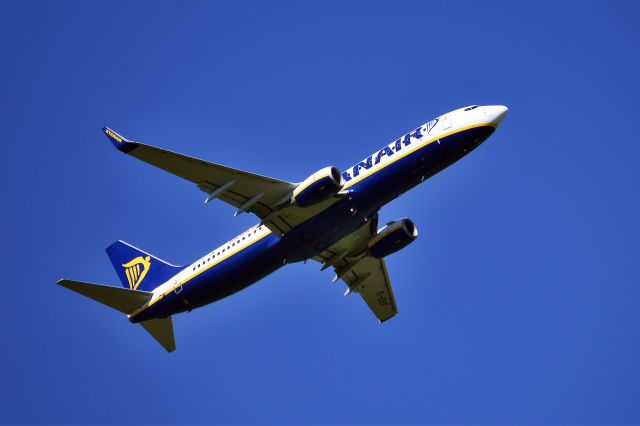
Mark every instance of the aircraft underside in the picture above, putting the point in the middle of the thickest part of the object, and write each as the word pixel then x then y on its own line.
pixel 330 218
pixel 317 234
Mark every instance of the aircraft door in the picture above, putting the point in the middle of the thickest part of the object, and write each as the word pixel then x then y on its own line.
pixel 446 122
pixel 177 289
pixel 177 286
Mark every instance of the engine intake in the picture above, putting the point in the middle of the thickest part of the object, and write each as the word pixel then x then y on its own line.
pixel 394 236
pixel 320 186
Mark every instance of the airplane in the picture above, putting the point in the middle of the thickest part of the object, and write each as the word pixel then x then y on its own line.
pixel 331 217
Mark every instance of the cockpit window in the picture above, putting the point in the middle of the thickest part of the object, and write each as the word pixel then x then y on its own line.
pixel 469 108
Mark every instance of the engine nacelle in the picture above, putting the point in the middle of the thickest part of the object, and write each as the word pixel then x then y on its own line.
pixel 320 186
pixel 394 236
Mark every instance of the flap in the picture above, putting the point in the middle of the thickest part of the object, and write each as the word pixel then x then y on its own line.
pixel 363 274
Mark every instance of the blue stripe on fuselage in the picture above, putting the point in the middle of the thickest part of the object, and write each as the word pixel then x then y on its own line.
pixel 400 176
pixel 223 279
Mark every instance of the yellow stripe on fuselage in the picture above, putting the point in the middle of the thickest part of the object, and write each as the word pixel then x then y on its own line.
pixel 410 151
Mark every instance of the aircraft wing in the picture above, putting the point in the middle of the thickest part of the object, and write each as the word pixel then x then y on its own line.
pixel 264 196
pixel 363 274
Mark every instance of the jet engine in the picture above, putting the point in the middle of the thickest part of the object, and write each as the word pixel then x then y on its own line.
pixel 394 236
pixel 318 187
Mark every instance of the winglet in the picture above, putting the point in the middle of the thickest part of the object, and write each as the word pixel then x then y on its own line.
pixel 119 141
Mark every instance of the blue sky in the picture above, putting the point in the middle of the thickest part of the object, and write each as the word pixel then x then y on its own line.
pixel 518 302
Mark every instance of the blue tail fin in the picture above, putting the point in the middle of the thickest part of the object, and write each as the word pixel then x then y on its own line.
pixel 138 270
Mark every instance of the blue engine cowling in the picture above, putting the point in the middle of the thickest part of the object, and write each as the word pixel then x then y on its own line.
pixel 318 187
pixel 394 236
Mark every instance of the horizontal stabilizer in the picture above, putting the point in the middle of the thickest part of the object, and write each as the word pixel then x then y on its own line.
pixel 121 299
pixel 162 331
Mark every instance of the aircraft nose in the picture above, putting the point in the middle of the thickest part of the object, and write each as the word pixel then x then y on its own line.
pixel 497 113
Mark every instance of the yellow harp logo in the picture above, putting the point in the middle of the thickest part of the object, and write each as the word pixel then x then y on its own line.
pixel 136 270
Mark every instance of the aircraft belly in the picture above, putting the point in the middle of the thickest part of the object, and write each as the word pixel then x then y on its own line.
pixel 404 174
pixel 234 274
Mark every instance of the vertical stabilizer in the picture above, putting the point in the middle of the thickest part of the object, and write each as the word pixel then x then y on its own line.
pixel 137 269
